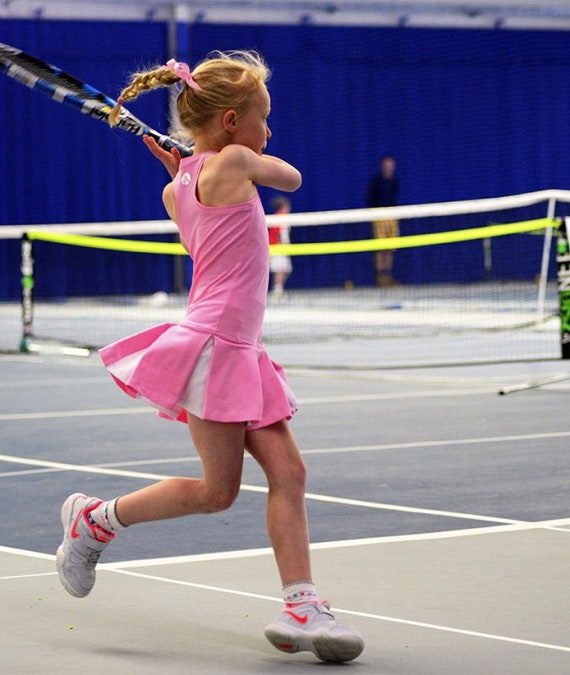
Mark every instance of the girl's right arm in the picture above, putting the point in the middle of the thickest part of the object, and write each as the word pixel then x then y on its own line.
pixel 271 171
pixel 231 175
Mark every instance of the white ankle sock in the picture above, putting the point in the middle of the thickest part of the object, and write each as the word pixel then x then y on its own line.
pixel 105 515
pixel 299 592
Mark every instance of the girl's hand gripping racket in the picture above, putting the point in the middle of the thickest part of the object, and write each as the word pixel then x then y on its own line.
pixel 64 88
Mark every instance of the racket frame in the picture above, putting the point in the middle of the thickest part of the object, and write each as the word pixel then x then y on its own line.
pixel 62 87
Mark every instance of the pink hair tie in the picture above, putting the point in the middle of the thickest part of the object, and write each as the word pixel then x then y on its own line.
pixel 183 71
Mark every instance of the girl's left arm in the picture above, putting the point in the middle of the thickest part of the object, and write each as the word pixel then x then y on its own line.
pixel 171 160
pixel 169 201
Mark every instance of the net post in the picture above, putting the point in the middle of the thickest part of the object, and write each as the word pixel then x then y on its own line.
pixel 563 279
pixel 546 249
pixel 27 280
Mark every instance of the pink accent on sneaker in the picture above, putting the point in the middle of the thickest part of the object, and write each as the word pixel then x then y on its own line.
pixel 82 545
pixel 311 627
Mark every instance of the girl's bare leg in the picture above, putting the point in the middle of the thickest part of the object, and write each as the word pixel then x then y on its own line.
pixel 221 449
pixel 276 451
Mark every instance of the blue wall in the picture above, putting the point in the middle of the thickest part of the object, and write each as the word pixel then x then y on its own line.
pixel 468 114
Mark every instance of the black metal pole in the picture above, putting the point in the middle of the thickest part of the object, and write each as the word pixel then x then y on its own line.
pixel 563 277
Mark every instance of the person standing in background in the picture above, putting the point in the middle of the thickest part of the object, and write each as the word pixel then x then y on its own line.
pixel 280 266
pixel 383 191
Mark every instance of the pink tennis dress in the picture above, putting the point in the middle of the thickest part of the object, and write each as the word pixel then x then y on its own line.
pixel 211 364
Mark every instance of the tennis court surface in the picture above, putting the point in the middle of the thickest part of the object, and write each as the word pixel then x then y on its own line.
pixel 439 513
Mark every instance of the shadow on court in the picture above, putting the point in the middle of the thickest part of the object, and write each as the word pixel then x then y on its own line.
pixel 439 517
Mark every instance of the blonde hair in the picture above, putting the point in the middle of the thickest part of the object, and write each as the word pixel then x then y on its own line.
pixel 227 80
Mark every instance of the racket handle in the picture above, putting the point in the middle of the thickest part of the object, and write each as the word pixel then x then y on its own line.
pixel 167 143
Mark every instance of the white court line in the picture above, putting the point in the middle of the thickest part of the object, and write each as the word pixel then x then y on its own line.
pixel 102 470
pixel 53 382
pixel 142 462
pixel 511 438
pixel 140 409
pixel 458 631
pixel 17 577
pixel 26 553
pixel 316 546
pixel 91 412
pixel 256 488
pixel 366 615
pixel 114 567
pixel 332 545
pixel 383 447
pixel 315 451
pixel 389 396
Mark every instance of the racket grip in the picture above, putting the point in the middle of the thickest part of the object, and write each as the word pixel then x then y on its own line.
pixel 168 143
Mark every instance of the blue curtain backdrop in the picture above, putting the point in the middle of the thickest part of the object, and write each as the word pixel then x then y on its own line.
pixel 468 114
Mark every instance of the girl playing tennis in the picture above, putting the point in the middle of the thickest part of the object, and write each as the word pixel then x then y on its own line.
pixel 211 370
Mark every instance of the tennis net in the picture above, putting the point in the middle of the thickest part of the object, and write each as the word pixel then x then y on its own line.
pixel 477 283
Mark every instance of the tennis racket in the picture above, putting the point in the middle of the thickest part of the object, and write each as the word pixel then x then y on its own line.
pixel 64 88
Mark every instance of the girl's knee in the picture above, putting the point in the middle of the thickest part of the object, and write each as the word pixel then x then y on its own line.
pixel 299 471
pixel 220 499
pixel 293 472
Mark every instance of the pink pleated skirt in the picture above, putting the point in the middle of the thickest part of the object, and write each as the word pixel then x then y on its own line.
pixel 179 369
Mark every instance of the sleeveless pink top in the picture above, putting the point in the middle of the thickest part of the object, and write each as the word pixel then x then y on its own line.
pixel 212 363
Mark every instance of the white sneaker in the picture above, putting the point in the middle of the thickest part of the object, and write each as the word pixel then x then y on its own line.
pixel 311 627
pixel 83 542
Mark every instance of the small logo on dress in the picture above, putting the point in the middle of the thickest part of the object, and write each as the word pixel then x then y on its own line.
pixel 186 179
